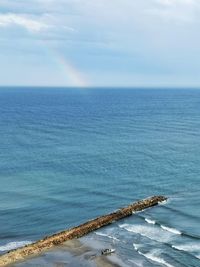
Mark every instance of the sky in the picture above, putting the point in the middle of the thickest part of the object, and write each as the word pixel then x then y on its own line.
pixel 88 43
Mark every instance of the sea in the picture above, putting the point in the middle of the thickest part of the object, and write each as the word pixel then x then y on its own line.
pixel 68 155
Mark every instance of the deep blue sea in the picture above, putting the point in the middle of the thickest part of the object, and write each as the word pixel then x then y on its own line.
pixel 69 155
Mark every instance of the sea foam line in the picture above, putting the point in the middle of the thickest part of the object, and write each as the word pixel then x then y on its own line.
pixel 14 245
pixel 152 257
pixel 166 228
pixel 155 259
pixel 194 249
pixel 109 236
pixel 150 221
pixel 151 232
pixel 171 230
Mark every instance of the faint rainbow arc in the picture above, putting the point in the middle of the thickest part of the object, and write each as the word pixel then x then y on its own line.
pixel 75 77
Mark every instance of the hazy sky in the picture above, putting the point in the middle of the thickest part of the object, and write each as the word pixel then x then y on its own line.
pixel 100 42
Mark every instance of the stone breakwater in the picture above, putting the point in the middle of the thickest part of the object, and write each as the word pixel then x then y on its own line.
pixel 57 239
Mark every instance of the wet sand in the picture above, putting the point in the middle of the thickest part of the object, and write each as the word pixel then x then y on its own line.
pixel 74 253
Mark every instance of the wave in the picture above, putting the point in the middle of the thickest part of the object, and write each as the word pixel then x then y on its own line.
pixel 161 233
pixel 194 249
pixel 106 235
pixel 155 259
pixel 14 245
pixel 151 232
pixel 150 221
pixel 171 230
pixel 165 235
pixel 164 227
pixel 151 256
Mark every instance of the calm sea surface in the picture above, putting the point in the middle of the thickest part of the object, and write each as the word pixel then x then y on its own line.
pixel 69 155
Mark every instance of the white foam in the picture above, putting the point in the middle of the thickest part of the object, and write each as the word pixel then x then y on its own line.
pixel 164 202
pixel 193 248
pixel 190 247
pixel 149 231
pixel 150 221
pixel 101 234
pixel 153 257
pixel 14 245
pixel 136 246
pixel 106 235
pixel 171 230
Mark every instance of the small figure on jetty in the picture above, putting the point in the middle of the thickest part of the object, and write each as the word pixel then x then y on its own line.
pixel 107 251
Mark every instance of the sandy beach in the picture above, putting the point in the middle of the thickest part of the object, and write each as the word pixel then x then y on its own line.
pixel 73 253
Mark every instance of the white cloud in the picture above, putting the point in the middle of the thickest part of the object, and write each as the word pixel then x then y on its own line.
pixel 185 11
pixel 29 24
pixel 134 36
pixel 177 2
pixel 96 17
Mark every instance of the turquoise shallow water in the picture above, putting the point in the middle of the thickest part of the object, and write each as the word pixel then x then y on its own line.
pixel 68 155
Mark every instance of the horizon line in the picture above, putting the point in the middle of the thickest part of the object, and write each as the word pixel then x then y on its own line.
pixel 98 87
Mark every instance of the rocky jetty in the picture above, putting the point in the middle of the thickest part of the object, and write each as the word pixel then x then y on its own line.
pixel 57 239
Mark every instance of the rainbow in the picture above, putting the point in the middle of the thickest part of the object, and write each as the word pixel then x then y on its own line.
pixel 74 76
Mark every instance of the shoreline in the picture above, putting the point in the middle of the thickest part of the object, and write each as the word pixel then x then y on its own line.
pixel 73 253
pixel 49 242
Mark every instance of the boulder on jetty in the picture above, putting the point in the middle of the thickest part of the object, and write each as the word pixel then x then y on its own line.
pixel 57 239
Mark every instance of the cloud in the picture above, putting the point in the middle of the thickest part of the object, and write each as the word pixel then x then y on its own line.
pixel 24 21
pixel 137 37
pixel 96 19
pixel 178 11
pixel 177 2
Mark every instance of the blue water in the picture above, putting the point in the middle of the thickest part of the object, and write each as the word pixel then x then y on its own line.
pixel 69 155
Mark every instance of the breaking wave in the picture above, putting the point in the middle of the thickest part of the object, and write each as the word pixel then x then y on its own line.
pixel 164 227
pixel 150 221
pixel 190 247
pixel 151 232
pixel 171 230
pixel 152 256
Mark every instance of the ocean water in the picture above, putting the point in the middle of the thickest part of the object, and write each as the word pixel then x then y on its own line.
pixel 69 155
